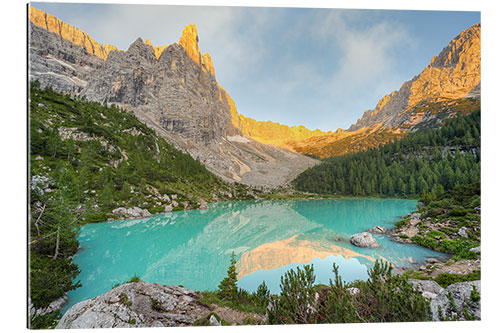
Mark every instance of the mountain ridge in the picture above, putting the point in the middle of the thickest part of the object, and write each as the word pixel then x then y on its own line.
pixel 175 93
pixel 451 75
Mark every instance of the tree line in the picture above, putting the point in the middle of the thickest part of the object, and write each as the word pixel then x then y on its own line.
pixel 423 162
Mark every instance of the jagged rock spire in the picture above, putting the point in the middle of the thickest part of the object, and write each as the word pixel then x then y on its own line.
pixel 189 41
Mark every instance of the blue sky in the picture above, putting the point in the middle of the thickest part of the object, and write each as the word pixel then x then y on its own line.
pixel 321 68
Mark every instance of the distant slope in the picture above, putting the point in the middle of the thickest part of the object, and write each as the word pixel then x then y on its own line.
pixel 428 160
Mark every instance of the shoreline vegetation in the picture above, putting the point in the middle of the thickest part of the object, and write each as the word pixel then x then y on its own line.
pixel 87 160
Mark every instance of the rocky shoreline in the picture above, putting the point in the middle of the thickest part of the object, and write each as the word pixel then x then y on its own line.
pixel 143 304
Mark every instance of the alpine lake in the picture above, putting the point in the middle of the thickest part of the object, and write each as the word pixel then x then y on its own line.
pixel 193 248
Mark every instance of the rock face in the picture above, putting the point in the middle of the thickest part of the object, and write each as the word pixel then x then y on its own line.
pixel 364 239
pixel 428 288
pixel 136 305
pixel 453 74
pixel 57 63
pixel 172 89
pixel 67 32
pixel 461 296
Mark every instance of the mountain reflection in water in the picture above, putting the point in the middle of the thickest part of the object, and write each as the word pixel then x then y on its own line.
pixel 193 248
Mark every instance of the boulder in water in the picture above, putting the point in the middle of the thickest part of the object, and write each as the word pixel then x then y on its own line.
pixel 364 239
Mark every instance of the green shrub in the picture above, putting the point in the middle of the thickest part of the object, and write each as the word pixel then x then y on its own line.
pixel 293 306
pixel 250 320
pixel 428 242
pixel 124 300
pixel 435 234
pixel 445 279
pixel 459 247
pixel 458 211
pixel 400 224
pixel 133 279
pixel 47 321
pixel 382 298
pixel 155 305
pixel 262 294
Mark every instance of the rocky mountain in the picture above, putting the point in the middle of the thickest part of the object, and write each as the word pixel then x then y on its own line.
pixel 171 88
pixel 449 76
pixel 67 32
pixel 174 90
pixel 447 84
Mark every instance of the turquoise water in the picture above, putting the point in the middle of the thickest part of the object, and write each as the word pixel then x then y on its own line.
pixel 193 248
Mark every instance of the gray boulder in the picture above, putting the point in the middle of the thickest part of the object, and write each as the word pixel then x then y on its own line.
pixel 353 291
pixel 462 232
pixel 428 288
pixel 134 212
pixel 214 321
pixel 476 249
pixel 377 230
pixel 139 304
pixel 415 216
pixel 203 204
pixel 460 293
pixel 364 239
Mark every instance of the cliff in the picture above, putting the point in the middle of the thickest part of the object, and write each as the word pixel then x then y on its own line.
pixel 170 88
pixel 65 31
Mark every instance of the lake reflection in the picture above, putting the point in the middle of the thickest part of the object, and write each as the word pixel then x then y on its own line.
pixel 193 248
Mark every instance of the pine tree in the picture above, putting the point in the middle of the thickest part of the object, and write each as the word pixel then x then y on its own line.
pixel 228 289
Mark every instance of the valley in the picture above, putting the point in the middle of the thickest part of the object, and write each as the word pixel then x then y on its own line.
pixel 141 154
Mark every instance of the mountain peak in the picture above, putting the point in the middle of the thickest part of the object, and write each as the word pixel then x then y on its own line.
pixel 452 74
pixel 189 41
pixel 142 49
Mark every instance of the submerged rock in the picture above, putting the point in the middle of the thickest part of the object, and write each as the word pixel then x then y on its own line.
pixel 364 239
pixel 398 239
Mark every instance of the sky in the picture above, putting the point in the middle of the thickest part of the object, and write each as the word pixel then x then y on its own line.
pixel 317 67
